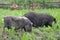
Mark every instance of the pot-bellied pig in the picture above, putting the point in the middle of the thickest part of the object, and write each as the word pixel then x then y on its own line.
pixel 40 19
pixel 18 23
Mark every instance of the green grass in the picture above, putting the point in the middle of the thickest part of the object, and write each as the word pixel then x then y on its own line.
pixel 44 33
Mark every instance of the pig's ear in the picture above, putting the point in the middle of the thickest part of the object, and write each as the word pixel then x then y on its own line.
pixel 31 23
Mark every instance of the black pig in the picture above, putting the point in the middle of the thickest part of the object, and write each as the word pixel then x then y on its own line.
pixel 40 19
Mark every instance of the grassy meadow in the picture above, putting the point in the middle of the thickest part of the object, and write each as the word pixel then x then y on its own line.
pixel 44 33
